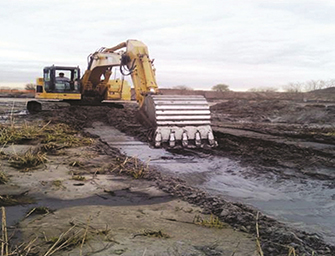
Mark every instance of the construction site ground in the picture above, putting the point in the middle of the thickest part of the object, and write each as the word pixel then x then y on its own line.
pixel 270 180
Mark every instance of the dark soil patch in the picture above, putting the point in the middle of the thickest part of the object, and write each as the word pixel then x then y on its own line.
pixel 11 200
pixel 279 111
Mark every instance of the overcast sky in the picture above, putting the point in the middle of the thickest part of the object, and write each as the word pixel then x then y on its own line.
pixel 197 43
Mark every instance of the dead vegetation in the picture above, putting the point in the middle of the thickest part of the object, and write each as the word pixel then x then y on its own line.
pixel 52 136
pixel 11 200
pixel 57 183
pixel 51 147
pixel 78 178
pixel 40 210
pixel 212 222
pixel 18 134
pixel 29 160
pixel 130 166
pixel 3 178
pixel 76 164
pixel 153 233
pixel 64 135
pixel 75 237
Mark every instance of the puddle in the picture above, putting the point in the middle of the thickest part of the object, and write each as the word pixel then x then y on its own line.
pixel 16 213
pixel 308 205
pixel 11 108
pixel 10 115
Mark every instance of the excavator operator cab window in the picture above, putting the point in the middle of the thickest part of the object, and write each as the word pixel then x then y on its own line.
pixel 61 80
pixel 76 80
pixel 47 79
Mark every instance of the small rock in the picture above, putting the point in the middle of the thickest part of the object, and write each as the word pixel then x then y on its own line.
pixel 224 213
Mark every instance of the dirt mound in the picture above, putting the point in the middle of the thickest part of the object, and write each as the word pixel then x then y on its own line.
pixel 327 94
pixel 274 111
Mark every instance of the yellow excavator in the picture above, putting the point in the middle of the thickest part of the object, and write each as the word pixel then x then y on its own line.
pixel 176 119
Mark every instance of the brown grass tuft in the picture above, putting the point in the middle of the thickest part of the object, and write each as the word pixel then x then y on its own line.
pixel 28 160
pixel 3 178
pixel 212 222
pixel 130 166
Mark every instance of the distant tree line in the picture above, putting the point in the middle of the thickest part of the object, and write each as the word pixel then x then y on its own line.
pixel 308 86
pixel 182 87
pixel 30 86
pixel 263 89
pixel 217 88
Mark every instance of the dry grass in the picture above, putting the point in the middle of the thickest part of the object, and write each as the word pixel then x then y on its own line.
pixel 75 236
pixel 11 200
pixel 4 235
pixel 28 160
pixel 39 210
pixel 3 178
pixel 51 147
pixel 76 164
pixel 130 166
pixel 153 233
pixel 57 183
pixel 64 135
pixel 53 136
pixel 212 222
pixel 78 178
pixel 331 134
pixel 19 134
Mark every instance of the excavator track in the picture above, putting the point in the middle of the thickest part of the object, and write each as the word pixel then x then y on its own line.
pixel 179 120
pixel 35 106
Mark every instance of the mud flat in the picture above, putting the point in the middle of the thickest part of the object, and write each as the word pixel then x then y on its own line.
pixel 157 188
pixel 64 192
pixel 276 237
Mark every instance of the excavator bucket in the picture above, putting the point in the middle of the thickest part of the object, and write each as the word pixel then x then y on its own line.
pixel 179 120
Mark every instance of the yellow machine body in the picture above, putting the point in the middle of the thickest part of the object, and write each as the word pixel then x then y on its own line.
pixel 118 90
pixel 54 95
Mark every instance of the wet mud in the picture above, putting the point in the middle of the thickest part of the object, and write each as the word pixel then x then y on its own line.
pixel 270 158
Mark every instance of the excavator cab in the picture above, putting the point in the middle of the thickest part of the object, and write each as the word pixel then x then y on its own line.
pixel 52 87
pixel 59 79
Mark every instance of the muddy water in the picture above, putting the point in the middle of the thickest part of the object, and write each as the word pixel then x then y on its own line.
pixel 304 204
pixel 12 108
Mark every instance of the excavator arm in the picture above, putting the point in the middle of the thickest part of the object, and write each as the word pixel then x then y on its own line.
pixel 139 67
